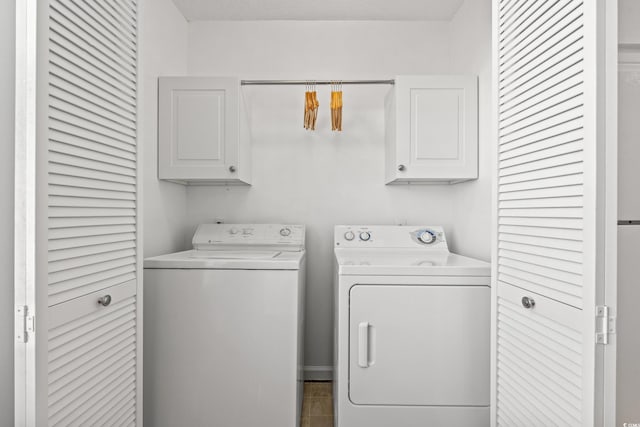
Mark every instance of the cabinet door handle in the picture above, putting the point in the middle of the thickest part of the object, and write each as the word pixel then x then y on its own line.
pixel 363 344
pixel 528 302
pixel 105 300
pixel 232 169
pixel 401 167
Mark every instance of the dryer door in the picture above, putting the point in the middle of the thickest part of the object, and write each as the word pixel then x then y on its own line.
pixel 419 345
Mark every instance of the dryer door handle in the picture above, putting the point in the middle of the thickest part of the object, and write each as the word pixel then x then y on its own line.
pixel 363 344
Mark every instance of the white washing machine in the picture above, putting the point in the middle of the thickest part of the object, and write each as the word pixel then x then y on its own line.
pixel 223 329
pixel 412 324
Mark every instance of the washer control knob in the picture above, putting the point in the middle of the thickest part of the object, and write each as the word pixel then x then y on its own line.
pixel 427 237
pixel 285 232
pixel 365 235
pixel 233 230
pixel 349 235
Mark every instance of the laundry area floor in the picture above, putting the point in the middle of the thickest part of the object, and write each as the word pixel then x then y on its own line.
pixel 317 404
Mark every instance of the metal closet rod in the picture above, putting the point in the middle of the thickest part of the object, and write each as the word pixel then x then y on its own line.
pixel 315 82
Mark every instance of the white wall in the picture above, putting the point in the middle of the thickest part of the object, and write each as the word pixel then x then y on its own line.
pixel 7 52
pixel 322 178
pixel 163 50
pixel 629 28
pixel 471 53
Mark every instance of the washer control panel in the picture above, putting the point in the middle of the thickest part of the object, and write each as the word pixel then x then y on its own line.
pixel 219 236
pixel 390 236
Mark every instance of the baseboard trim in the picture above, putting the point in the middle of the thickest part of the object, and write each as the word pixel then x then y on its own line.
pixel 318 373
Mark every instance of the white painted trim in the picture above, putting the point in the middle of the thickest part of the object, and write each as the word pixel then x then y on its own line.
pixel 318 373
pixel 141 22
pixel 24 199
pixel 608 406
pixel 495 18
pixel 600 220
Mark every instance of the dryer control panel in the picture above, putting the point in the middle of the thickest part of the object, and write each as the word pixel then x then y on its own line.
pixel 390 236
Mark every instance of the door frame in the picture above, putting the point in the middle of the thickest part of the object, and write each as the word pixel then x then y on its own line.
pixel 607 286
pixel 29 218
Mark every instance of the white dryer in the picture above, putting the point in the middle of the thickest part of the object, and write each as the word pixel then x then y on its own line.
pixel 412 330
pixel 223 329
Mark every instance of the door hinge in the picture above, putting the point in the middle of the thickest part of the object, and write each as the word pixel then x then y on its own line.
pixel 25 324
pixel 605 324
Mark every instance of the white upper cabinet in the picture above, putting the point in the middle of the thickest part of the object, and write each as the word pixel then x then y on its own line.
pixel 203 133
pixel 432 129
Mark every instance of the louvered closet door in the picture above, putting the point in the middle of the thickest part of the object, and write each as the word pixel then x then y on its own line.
pixel 543 374
pixel 87 343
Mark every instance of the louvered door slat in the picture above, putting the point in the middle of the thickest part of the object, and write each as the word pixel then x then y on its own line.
pixel 96 112
pixel 126 10
pixel 549 202
pixel 103 29
pixel 88 122
pixel 118 62
pixel 112 20
pixel 540 99
pixel 72 67
pixel 540 22
pixel 97 98
pixel 67 169
pixel 80 192
pixel 560 254
pixel 71 223
pixel 542 194
pixel 94 152
pixel 88 161
pixel 561 223
pixel 92 350
pixel 103 14
pixel 553 177
pixel 101 355
pixel 91 240
pixel 91 354
pixel 79 81
pixel 561 34
pixel 534 50
pixel 97 230
pixel 62 148
pixel 539 359
pixel 545 145
pixel 84 183
pixel 74 142
pixel 90 260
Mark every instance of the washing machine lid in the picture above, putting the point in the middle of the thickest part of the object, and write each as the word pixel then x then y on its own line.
pixel 246 259
pixel 239 247
pixel 407 262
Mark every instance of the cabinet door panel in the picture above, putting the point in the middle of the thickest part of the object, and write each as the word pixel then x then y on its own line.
pixel 203 132
pixel 436 128
pixel 199 126
pixel 432 132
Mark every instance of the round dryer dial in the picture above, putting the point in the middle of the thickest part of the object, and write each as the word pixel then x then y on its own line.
pixel 349 235
pixel 365 235
pixel 427 236
pixel 284 232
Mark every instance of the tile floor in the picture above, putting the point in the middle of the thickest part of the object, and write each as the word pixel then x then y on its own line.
pixel 317 404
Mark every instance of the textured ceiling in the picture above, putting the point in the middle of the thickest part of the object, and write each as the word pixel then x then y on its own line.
pixel 318 10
